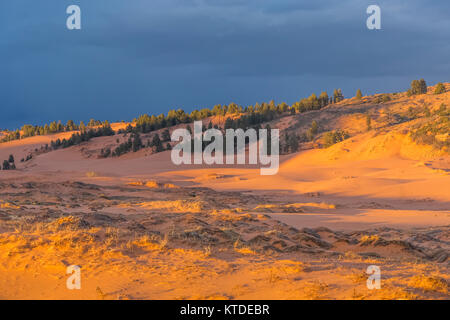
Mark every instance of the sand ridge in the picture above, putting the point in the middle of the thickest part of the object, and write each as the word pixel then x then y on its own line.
pixel 141 227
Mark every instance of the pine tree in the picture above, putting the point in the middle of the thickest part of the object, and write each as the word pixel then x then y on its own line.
pixel 323 99
pixel 314 127
pixel 415 87
pixel 423 86
pixel 229 123
pixel 359 94
pixel 337 95
pixel 156 143
pixel 11 158
pixel 70 126
pixel 368 122
pixel 136 143
pixel 5 165
pixel 165 135
pixel 286 143
pixel 105 153
pixel 440 88
pixel 418 87
pixel 82 126
pixel 293 143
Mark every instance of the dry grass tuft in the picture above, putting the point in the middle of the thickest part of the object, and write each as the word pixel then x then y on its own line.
pixel 371 239
pixel 207 251
pixel 69 223
pixel 242 249
pixel 174 206
pixel 429 283
pixel 91 174
pixel 152 184
pixel 316 290
pixel 8 205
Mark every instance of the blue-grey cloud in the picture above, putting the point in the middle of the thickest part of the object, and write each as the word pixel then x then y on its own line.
pixel 142 56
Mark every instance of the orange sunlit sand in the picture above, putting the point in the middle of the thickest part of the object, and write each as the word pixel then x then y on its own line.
pixel 141 227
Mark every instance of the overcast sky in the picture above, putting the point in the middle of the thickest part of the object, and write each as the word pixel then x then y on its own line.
pixel 149 56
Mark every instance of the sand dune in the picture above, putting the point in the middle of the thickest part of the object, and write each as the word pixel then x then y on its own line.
pixel 142 228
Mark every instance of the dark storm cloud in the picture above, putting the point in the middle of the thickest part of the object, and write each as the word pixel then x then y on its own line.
pixel 142 56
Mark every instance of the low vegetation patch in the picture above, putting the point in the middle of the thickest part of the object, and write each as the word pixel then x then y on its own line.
pixel 332 137
pixel 429 283
pixel 436 131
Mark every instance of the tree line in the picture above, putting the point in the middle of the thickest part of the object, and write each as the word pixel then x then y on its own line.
pixel 249 115
pixel 54 127
pixel 146 123
pixel 84 135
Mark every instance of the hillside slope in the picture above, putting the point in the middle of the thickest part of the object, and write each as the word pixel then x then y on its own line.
pixel 142 228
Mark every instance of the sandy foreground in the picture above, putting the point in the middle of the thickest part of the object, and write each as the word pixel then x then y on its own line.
pixel 142 228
